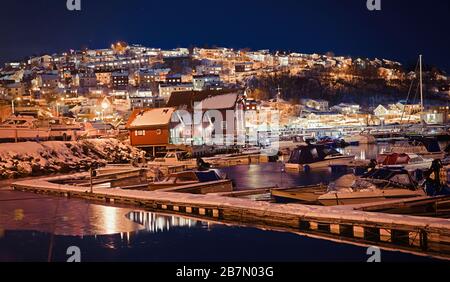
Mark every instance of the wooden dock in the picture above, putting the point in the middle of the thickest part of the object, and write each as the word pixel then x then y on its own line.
pixel 421 235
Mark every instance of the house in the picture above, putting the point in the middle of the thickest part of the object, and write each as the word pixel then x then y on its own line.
pixel 149 129
pixel 243 67
pixel 205 82
pixel 165 90
pixel 145 78
pixel 119 80
pixel 47 80
pixel 174 78
pixel 15 90
pixel 215 118
pixel 86 80
pixel 319 105
pixel 346 109
pixel 103 78
pixel 145 99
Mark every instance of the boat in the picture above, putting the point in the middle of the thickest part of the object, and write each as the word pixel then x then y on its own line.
pixel 361 139
pixel 185 178
pixel 23 128
pixel 408 161
pixel 377 185
pixel 316 156
pixel 176 158
pixel 28 128
pixel 304 195
pixel 425 147
pixel 332 142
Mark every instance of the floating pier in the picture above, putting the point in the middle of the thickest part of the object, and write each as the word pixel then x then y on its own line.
pixel 352 224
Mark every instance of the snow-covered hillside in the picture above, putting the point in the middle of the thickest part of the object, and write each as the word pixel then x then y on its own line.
pixel 32 158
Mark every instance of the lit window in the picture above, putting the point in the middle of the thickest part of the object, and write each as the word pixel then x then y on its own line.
pixel 140 132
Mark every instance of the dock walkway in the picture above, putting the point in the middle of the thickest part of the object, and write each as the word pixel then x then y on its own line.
pixel 428 236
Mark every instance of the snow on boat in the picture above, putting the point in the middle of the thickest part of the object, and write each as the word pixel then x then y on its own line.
pixel 177 158
pixel 362 139
pixel 408 161
pixel 377 185
pixel 304 195
pixel 23 128
pixel 425 147
pixel 316 156
pixel 185 178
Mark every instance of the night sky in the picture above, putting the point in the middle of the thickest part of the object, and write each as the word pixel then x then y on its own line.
pixel 401 31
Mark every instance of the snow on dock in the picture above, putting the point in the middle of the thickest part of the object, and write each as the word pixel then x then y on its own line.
pixel 426 235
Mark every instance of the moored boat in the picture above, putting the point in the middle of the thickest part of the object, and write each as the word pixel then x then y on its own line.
pixel 185 178
pixel 316 156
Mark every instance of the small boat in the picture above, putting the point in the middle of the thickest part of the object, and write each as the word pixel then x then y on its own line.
pixel 316 156
pixel 185 178
pixel 362 139
pixel 377 185
pixel 332 142
pixel 425 147
pixel 177 158
pixel 408 161
pixel 304 195
pixel 23 128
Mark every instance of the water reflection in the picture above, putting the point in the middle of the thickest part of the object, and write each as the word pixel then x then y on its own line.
pixel 155 223
pixel 268 175
pixel 61 216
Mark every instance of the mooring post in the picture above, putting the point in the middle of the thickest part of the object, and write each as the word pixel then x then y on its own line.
pixel 90 180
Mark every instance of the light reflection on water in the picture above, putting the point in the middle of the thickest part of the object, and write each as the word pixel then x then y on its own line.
pixel 154 223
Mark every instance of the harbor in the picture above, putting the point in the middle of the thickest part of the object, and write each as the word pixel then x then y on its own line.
pixel 224 143
pixel 417 225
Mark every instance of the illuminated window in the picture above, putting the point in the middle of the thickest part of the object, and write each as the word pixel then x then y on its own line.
pixel 140 132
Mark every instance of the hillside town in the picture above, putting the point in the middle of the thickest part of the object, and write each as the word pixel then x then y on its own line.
pixel 112 91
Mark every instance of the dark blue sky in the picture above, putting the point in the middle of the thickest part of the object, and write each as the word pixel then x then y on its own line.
pixel 401 31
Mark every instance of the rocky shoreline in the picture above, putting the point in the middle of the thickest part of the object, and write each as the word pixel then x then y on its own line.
pixel 41 158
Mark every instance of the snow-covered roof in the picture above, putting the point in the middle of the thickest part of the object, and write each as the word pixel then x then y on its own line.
pixel 150 117
pixel 218 102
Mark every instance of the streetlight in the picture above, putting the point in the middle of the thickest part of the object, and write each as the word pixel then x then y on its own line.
pixel 12 105
pixel 105 106
pixel 57 109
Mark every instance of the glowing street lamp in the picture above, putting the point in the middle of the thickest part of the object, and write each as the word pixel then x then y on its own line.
pixel 12 104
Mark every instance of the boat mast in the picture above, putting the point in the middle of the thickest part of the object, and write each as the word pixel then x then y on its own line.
pixel 421 84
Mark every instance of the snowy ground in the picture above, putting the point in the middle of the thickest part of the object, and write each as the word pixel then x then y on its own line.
pixel 33 158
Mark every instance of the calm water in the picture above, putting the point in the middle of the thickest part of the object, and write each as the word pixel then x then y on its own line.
pixel 41 228
pixel 32 225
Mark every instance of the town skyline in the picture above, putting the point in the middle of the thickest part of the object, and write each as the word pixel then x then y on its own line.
pixel 400 31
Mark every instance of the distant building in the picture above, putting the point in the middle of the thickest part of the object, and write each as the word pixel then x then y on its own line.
pixel 319 105
pixel 165 90
pixel 344 108
pixel 47 80
pixel 243 67
pixel 87 80
pixel 174 79
pixel 120 80
pixel 103 78
pixel 15 90
pixel 205 82
pixel 145 99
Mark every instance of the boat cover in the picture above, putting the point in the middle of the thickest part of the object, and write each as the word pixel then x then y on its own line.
pixel 310 154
